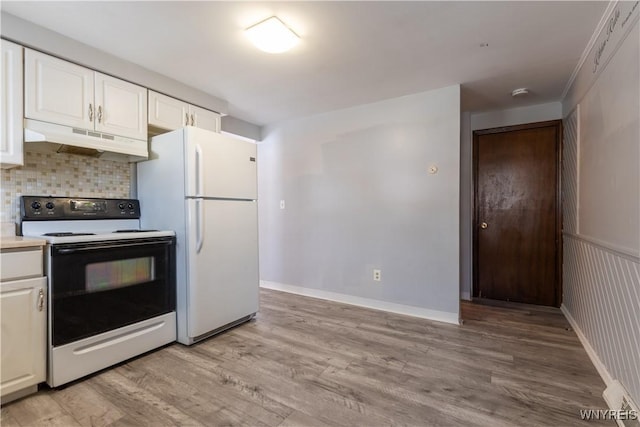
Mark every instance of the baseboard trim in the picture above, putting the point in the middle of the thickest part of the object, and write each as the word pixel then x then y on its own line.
pixel 602 370
pixel 465 296
pixel 408 310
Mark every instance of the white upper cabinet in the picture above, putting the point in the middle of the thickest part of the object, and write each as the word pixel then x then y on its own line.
pixel 170 114
pixel 121 107
pixel 166 112
pixel 11 140
pixel 204 119
pixel 57 91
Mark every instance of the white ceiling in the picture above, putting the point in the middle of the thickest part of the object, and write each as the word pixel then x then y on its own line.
pixel 351 52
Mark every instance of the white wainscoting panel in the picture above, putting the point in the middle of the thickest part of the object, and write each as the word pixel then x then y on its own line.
pixel 601 262
pixel 602 297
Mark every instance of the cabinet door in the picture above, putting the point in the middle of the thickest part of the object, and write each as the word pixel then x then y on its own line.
pixel 121 107
pixel 205 119
pixel 166 112
pixel 58 91
pixel 11 138
pixel 22 320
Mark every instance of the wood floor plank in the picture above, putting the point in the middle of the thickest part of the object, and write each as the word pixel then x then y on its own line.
pixel 304 396
pixel 7 419
pixel 185 398
pixel 309 362
pixel 87 407
pixel 140 405
pixel 298 419
pixel 39 409
pixel 221 388
pixel 410 405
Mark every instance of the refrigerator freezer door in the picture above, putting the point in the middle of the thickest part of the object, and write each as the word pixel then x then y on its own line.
pixel 223 263
pixel 219 166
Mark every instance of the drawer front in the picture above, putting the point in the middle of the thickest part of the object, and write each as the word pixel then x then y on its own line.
pixel 21 264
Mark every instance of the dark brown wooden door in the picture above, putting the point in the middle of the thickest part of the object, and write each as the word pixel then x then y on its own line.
pixel 517 214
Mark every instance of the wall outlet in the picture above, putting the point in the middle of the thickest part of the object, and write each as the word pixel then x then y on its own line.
pixel 377 275
pixel 281 204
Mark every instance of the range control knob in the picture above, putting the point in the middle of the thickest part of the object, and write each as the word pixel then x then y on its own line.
pixel 36 205
pixel 130 205
pixel 50 205
pixel 121 205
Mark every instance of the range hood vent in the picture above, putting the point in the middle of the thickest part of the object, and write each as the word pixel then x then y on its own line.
pixel 72 149
pixel 50 137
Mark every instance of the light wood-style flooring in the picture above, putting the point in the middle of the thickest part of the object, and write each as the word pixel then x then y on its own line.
pixel 309 362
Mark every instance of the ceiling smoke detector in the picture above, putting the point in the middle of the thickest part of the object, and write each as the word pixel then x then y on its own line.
pixel 520 92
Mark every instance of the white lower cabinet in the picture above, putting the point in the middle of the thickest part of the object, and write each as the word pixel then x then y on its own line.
pixel 23 319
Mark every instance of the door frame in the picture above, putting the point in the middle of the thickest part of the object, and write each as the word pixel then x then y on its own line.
pixel 475 220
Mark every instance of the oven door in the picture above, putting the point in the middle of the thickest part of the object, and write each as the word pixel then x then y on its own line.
pixel 100 286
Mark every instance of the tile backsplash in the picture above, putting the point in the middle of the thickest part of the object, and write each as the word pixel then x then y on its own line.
pixel 62 175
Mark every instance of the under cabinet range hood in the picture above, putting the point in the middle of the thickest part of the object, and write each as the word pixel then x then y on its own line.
pixel 43 136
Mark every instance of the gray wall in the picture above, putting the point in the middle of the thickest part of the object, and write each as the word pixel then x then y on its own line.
pixel 602 202
pixel 358 195
pixel 240 127
pixel 466 207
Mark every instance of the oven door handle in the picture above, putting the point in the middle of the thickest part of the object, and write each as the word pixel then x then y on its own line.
pixel 64 251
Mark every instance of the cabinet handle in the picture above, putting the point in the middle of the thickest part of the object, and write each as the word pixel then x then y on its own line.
pixel 192 121
pixel 90 112
pixel 186 119
pixel 99 113
pixel 40 299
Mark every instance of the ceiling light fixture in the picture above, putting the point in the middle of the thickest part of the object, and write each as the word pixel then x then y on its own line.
pixel 272 35
pixel 520 92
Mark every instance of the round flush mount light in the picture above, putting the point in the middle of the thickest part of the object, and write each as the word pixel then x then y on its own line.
pixel 520 92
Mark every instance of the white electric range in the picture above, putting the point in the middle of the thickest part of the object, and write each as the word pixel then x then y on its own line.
pixel 111 285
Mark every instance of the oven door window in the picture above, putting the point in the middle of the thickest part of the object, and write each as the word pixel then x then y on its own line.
pixel 102 276
pixel 101 286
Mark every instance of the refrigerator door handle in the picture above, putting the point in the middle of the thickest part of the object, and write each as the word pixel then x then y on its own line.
pixel 199 171
pixel 199 226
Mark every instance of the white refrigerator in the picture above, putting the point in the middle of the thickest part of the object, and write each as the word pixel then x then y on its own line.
pixel 203 185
